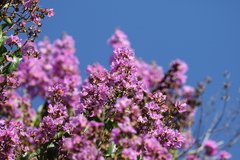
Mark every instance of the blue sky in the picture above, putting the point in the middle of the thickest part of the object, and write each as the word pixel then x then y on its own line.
pixel 205 34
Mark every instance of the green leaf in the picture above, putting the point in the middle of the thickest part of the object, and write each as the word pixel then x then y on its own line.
pixel 18 52
pixel 40 108
pixel 24 156
pixel 116 94
pixel 110 124
pixel 140 157
pixel 86 129
pixel 37 118
pixel 4 25
pixel 3 51
pixel 119 150
pixel 12 65
pixel 34 154
pixel 51 145
pixel 110 149
pixel 52 151
pixel 115 125
pixel 1 28
pixel 2 54
pixel 5 5
pixel 2 40
pixel 60 134
pixel 174 152
pixel 8 21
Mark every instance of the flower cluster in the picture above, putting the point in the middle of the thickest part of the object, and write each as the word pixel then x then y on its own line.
pixel 133 111
pixel 23 17
pixel 18 17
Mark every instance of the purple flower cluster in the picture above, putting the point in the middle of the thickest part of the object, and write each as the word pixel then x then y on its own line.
pixel 133 111
pixel 119 39
pixel 169 138
pixel 13 40
pixel 22 14
pixel 17 107
pixel 211 147
pixel 82 143
pixel 95 90
pixel 29 50
pixel 19 17
pixel 9 141
pixel 55 74
pixel 124 73
pixel 224 155
pixel 149 74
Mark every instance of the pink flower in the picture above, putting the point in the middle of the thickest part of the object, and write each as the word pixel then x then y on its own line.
pixel 188 89
pixel 35 19
pixel 164 108
pixel 192 157
pixel 189 139
pixel 28 3
pixel 181 107
pixel 130 153
pixel 13 40
pixel 211 147
pixel 50 12
pixel 180 65
pixel 119 39
pixel 29 49
pixel 224 155
pixel 122 103
pixel 9 59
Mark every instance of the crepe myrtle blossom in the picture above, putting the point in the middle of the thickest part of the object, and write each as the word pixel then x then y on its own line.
pixel 35 18
pixel 188 89
pixel 211 147
pixel 50 12
pixel 178 69
pixel 123 74
pixel 181 107
pixel 9 139
pixel 118 39
pixel 78 147
pixel 150 74
pixel 189 139
pixel 13 40
pixel 56 67
pixel 188 92
pixel 179 65
pixel 169 138
pixel 22 17
pixel 154 150
pixel 192 157
pixel 224 155
pixel 9 59
pixel 30 50
pixel 130 153
pixel 29 3
pixel 131 111
pixel 126 126
pixel 122 103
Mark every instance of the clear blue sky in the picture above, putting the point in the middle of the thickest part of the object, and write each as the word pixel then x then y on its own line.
pixel 205 34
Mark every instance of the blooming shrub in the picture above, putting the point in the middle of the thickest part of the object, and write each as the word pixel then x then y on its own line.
pixel 133 111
